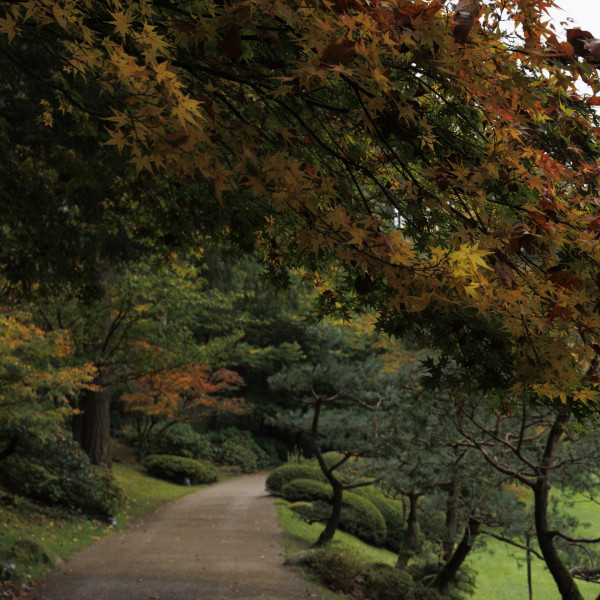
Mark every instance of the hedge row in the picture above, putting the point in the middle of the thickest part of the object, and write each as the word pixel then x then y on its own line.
pixel 359 516
pixel 179 469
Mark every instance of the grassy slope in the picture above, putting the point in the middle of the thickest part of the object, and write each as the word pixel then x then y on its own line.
pixel 63 535
pixel 501 571
pixel 502 574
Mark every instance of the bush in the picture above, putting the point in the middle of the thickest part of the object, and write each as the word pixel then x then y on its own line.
pixel 182 440
pixel 362 519
pixel 337 571
pixel 179 468
pixel 306 490
pixel 345 574
pixel 278 478
pixel 384 582
pixel 392 512
pixel 54 471
pixel 237 448
pixel 359 516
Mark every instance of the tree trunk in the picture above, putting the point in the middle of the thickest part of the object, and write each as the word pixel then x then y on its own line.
pixel 91 428
pixel 451 524
pixel 564 581
pixel 334 518
pixel 448 572
pixel 409 542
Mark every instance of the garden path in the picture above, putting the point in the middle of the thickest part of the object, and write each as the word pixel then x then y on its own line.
pixel 219 543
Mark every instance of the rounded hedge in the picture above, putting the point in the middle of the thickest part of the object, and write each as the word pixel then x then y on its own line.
pixel 392 511
pixel 280 476
pixel 359 516
pixel 306 490
pixel 178 469
pixel 362 519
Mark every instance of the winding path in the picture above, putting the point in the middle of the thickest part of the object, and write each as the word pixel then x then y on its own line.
pixel 219 543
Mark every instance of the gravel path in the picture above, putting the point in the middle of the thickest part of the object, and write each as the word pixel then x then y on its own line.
pixel 219 543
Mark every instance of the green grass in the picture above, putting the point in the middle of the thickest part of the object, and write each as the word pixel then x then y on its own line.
pixel 300 536
pixel 502 574
pixel 501 570
pixel 62 535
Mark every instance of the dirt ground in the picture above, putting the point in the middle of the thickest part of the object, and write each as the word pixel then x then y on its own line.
pixel 219 543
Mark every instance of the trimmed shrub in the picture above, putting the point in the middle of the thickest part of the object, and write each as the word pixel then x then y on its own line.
pixel 54 471
pixel 384 582
pixel 306 490
pixel 359 516
pixel 278 478
pixel 182 440
pixel 311 512
pixel 362 519
pixel 238 448
pixel 179 468
pixel 392 512
pixel 337 571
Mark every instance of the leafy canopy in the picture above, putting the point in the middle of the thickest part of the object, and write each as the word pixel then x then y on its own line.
pixel 443 160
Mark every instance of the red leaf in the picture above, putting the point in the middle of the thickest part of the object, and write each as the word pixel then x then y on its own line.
pixel 560 312
pixel 232 42
pixel 504 271
pixel 578 38
pixel 339 52
pixel 383 15
pixel 407 15
pixel 541 221
pixel 521 238
pixel 594 101
pixel 565 280
pixel 177 138
pixel 184 27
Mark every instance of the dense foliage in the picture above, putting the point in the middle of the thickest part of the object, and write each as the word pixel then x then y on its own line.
pixel 180 470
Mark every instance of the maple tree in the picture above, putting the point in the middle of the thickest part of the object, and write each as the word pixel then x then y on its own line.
pixel 161 399
pixel 38 379
pixel 443 158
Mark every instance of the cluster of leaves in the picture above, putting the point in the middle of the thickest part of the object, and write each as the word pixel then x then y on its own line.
pixel 37 377
pixel 52 469
pixel 442 158
pixel 180 469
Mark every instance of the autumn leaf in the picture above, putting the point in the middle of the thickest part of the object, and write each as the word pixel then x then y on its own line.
pixel 578 39
pixel 339 52
pixel 565 280
pixel 177 138
pixel 184 27
pixel 560 312
pixel 407 15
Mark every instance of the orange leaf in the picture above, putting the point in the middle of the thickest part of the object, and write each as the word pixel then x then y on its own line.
pixel 407 15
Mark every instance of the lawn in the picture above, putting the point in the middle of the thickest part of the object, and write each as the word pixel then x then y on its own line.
pixel 501 570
